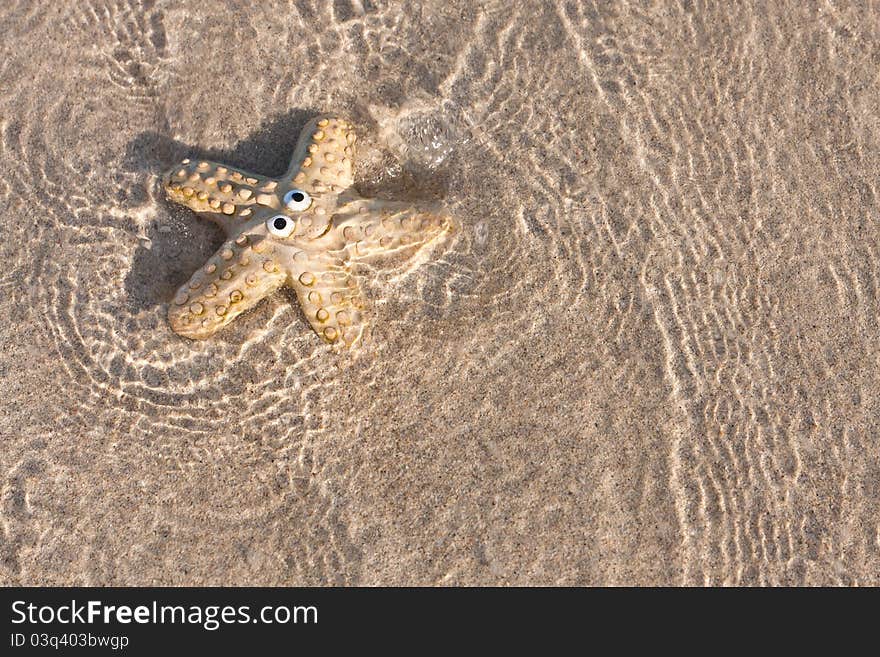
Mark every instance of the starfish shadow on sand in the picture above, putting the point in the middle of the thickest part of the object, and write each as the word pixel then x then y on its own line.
pixel 173 250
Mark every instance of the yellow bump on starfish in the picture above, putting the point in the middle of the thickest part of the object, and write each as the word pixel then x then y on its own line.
pixel 305 229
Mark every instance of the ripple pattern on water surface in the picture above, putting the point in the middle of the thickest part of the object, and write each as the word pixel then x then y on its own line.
pixel 647 356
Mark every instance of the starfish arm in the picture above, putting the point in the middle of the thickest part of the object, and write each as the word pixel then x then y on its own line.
pixel 373 228
pixel 223 194
pixel 324 157
pixel 330 298
pixel 236 278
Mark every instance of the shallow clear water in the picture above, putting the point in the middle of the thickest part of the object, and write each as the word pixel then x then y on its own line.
pixel 650 355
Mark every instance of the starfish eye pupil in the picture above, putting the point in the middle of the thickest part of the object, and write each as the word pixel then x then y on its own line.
pixel 297 196
pixel 280 223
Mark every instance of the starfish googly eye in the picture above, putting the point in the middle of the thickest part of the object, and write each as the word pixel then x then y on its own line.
pixel 297 200
pixel 280 225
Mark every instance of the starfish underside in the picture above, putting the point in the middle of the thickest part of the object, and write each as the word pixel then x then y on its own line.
pixel 306 230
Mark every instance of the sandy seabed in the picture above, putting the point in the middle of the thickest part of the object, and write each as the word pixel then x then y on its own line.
pixel 650 356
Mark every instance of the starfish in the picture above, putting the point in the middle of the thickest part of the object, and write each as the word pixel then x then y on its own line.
pixel 306 230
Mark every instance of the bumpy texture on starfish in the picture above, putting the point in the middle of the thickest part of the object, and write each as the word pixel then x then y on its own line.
pixel 305 229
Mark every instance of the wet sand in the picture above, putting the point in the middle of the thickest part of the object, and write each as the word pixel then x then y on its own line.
pixel 649 356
